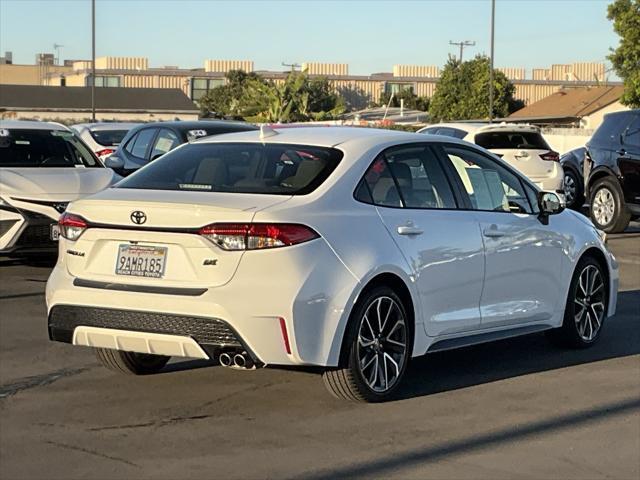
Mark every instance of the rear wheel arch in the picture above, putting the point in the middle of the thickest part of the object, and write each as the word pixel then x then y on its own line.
pixel 395 283
pixel 599 174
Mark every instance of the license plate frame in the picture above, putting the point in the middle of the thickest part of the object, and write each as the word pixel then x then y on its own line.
pixel 152 258
pixel 54 232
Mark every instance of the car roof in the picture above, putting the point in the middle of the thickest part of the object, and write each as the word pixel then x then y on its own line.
pixel 320 136
pixel 100 126
pixel 478 127
pixel 200 124
pixel 30 125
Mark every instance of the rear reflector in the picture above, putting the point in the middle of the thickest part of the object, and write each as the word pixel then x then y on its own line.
pixel 72 226
pixel 257 236
pixel 550 156
pixel 285 335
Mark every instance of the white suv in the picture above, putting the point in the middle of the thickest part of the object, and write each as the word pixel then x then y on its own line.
pixel 522 146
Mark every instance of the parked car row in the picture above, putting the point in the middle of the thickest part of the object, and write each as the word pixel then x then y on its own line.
pixel 44 166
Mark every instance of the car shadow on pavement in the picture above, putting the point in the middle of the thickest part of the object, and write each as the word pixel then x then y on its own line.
pixel 490 362
pixel 392 465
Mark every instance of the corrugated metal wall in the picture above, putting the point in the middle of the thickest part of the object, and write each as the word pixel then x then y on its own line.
pixel 416 71
pixel 226 65
pixel 122 63
pixel 317 68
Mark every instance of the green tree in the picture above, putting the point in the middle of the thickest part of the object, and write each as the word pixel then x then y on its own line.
pixel 411 100
pixel 228 100
pixel 298 98
pixel 462 93
pixel 625 15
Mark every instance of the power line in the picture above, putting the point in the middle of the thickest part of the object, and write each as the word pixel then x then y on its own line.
pixel 462 44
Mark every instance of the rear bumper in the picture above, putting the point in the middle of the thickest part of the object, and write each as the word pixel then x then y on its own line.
pixel 309 289
pixel 554 182
pixel 212 335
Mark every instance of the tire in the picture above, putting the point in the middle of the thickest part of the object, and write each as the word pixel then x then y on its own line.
pixel 131 363
pixel 573 190
pixel 586 307
pixel 368 349
pixel 608 210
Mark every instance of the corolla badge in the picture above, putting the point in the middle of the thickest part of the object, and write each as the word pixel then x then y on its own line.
pixel 138 217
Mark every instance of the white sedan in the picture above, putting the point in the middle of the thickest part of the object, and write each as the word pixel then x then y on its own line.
pixel 349 249
pixel 43 166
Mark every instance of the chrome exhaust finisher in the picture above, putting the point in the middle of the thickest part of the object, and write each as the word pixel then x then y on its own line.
pixel 225 360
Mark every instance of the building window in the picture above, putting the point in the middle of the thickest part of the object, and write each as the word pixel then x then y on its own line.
pixel 104 81
pixel 201 86
pixel 395 88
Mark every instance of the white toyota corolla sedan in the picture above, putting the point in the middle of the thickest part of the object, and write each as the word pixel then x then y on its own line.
pixel 350 249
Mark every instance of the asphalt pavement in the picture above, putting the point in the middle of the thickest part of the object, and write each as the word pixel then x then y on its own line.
pixel 518 408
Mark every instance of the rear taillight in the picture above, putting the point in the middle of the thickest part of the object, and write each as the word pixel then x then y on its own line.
pixel 105 153
pixel 256 236
pixel 72 226
pixel 550 156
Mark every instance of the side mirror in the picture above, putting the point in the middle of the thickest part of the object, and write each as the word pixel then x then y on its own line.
pixel 114 163
pixel 549 203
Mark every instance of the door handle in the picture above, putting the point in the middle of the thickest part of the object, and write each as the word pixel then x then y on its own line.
pixel 621 151
pixel 409 230
pixel 493 233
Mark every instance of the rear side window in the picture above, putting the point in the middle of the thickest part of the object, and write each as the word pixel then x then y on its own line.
pixel 43 148
pixel 108 138
pixel 279 169
pixel 446 132
pixel 611 129
pixel 512 140
pixel 410 177
pixel 632 133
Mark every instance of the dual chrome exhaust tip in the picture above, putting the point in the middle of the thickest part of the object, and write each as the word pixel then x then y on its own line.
pixel 240 361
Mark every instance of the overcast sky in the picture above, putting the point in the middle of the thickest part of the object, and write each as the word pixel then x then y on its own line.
pixel 371 36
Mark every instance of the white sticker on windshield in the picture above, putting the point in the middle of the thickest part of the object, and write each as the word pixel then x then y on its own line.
pixel 4 132
pixel 197 133
pixel 194 186
pixel 22 142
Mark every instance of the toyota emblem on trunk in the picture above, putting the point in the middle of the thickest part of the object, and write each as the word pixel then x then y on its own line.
pixel 138 217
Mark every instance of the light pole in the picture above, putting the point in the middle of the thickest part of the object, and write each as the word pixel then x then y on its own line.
pixel 493 21
pixel 93 60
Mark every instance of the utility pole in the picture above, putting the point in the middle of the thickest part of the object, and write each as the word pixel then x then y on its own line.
pixel 462 45
pixel 93 60
pixel 493 22
pixel 292 65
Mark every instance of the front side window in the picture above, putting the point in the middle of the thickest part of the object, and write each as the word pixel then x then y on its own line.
pixel 139 144
pixel 411 177
pixel 43 148
pixel 489 185
pixel 165 142
pixel 279 169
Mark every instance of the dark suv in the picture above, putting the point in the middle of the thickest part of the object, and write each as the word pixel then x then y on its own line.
pixel 612 171
pixel 149 141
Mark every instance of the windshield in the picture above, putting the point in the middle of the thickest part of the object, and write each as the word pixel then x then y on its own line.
pixel 43 148
pixel 512 140
pixel 108 138
pixel 239 168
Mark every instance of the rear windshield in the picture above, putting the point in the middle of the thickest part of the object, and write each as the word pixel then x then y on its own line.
pixel 511 140
pixel 43 148
pixel 279 169
pixel 108 138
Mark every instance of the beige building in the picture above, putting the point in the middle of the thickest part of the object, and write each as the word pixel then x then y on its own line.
pixel 360 90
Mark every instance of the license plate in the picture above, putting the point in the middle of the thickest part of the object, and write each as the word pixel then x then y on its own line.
pixel 141 261
pixel 54 232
